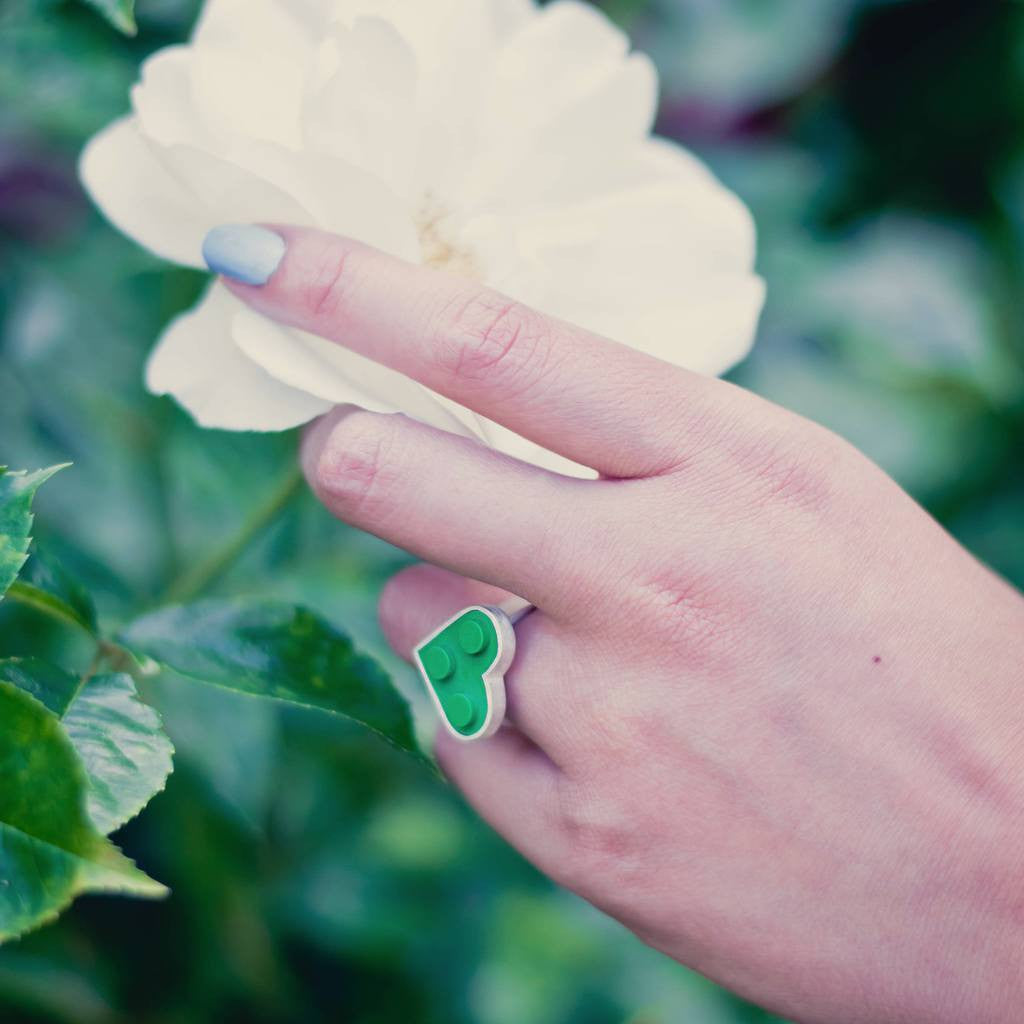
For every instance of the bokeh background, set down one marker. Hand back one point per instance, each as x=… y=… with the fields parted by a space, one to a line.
x=317 y=875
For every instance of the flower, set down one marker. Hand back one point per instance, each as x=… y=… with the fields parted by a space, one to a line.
x=494 y=138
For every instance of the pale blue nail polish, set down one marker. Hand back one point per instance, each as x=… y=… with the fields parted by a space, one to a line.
x=243 y=252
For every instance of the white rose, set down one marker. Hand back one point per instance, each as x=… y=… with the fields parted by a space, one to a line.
x=491 y=137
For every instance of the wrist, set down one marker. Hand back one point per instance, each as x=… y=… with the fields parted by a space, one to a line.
x=983 y=848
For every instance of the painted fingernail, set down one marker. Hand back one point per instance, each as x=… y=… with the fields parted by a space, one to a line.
x=244 y=252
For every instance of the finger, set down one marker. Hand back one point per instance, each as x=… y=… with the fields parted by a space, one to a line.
x=590 y=399
x=415 y=601
x=512 y=785
x=450 y=500
x=420 y=598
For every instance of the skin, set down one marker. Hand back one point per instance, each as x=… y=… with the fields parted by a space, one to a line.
x=768 y=713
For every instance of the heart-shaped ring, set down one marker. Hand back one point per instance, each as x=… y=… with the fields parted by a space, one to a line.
x=463 y=664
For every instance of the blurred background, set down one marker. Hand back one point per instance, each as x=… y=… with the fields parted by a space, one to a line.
x=316 y=874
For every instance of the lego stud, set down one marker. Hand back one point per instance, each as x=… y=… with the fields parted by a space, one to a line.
x=472 y=639
x=438 y=663
x=463 y=664
x=461 y=712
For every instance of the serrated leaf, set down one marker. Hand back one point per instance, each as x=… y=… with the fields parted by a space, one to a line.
x=281 y=651
x=120 y=14
x=17 y=490
x=123 y=746
x=50 y=851
x=119 y=739
x=44 y=584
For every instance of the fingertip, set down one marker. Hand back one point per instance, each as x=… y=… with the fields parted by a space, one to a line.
x=416 y=600
x=420 y=597
x=393 y=611
x=247 y=254
x=314 y=441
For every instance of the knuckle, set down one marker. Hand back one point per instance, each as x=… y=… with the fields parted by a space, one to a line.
x=357 y=462
x=763 y=459
x=602 y=836
x=487 y=338
x=704 y=423
x=793 y=470
x=689 y=612
x=393 y=607
x=324 y=293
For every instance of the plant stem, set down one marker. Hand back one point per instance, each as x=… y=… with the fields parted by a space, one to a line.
x=91 y=670
x=193 y=581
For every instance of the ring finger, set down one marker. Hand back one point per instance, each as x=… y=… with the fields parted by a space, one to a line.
x=418 y=599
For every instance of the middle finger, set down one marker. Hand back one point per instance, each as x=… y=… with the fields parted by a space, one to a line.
x=453 y=502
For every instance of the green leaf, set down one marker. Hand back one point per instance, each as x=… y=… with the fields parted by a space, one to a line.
x=119 y=739
x=123 y=746
x=231 y=745
x=51 y=686
x=120 y=14
x=16 y=493
x=45 y=585
x=280 y=651
x=50 y=851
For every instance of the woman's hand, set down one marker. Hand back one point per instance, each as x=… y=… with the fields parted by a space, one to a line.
x=768 y=713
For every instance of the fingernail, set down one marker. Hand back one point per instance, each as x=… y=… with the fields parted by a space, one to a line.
x=243 y=252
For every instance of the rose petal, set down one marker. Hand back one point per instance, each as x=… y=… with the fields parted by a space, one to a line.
x=223 y=192
x=665 y=268
x=287 y=28
x=570 y=150
x=164 y=104
x=652 y=241
x=137 y=193
x=264 y=182
x=708 y=331
x=558 y=58
x=197 y=362
x=341 y=377
x=563 y=107
x=238 y=96
x=363 y=110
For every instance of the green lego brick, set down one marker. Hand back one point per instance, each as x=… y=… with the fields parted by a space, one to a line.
x=462 y=664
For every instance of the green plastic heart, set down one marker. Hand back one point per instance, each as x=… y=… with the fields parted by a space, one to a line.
x=454 y=662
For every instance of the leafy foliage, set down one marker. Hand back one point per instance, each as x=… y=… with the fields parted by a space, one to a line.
x=51 y=686
x=123 y=747
x=120 y=14
x=82 y=755
x=16 y=493
x=45 y=584
x=275 y=650
x=121 y=743
x=77 y=757
x=50 y=850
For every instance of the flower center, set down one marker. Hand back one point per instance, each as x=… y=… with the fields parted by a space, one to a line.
x=439 y=248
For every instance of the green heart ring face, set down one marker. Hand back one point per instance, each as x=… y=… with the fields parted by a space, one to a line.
x=463 y=665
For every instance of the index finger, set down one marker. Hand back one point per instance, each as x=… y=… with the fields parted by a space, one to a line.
x=590 y=399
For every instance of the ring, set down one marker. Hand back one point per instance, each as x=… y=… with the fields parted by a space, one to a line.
x=463 y=665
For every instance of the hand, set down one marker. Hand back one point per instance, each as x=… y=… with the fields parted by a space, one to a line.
x=768 y=714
